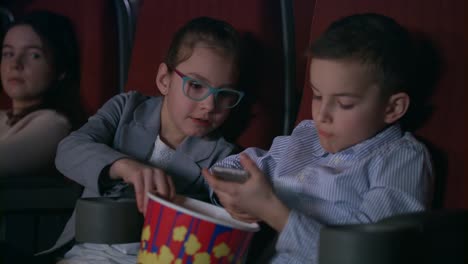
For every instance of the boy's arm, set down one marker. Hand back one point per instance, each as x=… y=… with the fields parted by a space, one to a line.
x=246 y=201
x=257 y=198
x=400 y=182
x=233 y=161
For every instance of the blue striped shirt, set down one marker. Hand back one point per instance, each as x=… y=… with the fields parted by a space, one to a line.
x=388 y=174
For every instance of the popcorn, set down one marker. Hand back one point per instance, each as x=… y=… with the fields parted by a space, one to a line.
x=188 y=232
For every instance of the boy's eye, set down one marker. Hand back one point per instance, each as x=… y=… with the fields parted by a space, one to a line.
x=345 y=106
x=316 y=97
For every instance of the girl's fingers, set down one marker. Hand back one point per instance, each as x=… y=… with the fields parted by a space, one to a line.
x=139 y=193
x=162 y=185
x=149 y=187
x=145 y=204
x=172 y=190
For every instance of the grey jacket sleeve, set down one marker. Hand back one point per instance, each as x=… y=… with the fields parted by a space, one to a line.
x=84 y=153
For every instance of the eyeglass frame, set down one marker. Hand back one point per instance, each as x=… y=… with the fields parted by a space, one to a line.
x=211 y=90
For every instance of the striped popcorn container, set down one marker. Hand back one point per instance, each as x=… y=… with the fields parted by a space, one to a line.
x=191 y=231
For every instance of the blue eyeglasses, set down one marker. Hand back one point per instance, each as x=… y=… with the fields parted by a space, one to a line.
x=199 y=91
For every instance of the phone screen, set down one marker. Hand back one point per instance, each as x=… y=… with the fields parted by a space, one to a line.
x=230 y=174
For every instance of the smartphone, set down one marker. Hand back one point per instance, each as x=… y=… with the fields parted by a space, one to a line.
x=230 y=174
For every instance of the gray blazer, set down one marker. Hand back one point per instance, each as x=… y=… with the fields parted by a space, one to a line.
x=127 y=126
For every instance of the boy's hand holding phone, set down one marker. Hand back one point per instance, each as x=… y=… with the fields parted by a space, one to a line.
x=230 y=174
x=253 y=198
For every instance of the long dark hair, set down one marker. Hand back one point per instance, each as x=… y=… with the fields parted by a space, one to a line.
x=58 y=35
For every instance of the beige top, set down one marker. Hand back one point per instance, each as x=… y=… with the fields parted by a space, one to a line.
x=30 y=145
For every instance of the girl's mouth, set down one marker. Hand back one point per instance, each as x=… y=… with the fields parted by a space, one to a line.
x=201 y=122
x=15 y=80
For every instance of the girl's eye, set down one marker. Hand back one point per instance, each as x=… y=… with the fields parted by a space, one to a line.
x=195 y=84
x=35 y=55
x=7 y=54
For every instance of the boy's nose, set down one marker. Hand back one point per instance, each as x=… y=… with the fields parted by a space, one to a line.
x=324 y=114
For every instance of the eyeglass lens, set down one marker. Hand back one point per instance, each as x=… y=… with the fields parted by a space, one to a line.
x=197 y=90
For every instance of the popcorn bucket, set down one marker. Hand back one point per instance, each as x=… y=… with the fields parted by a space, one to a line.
x=191 y=231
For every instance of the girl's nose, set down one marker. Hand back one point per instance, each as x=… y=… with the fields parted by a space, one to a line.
x=209 y=103
x=17 y=62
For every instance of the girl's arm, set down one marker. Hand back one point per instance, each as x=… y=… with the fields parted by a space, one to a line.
x=84 y=154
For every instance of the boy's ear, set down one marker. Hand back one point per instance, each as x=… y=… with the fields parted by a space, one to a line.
x=396 y=108
x=163 y=79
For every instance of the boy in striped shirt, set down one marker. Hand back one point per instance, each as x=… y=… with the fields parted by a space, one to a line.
x=353 y=163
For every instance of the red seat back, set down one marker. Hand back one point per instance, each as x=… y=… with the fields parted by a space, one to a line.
x=442 y=22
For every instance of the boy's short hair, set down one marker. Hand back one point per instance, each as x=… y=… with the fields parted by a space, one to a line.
x=374 y=40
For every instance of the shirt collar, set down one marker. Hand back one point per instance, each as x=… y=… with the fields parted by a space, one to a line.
x=362 y=149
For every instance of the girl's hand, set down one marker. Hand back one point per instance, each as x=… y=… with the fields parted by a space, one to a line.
x=253 y=199
x=144 y=179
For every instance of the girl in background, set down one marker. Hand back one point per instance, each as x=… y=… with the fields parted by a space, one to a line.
x=40 y=74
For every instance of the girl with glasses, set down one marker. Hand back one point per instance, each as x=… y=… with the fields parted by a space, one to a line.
x=159 y=144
